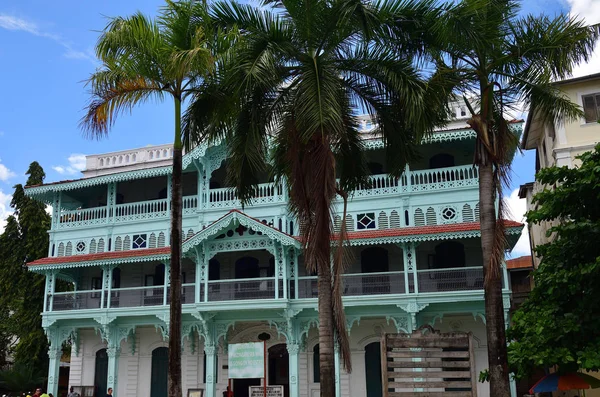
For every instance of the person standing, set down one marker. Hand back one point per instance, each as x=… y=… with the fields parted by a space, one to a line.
x=109 y=393
x=73 y=393
x=38 y=393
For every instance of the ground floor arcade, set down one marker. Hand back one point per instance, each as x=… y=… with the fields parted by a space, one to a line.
x=133 y=358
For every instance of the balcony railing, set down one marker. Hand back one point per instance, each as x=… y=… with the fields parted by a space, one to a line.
x=77 y=300
x=264 y=193
x=142 y=210
x=448 y=280
x=241 y=289
x=271 y=193
x=357 y=284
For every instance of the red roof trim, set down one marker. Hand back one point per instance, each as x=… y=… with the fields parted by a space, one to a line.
x=102 y=256
x=407 y=231
x=421 y=230
x=523 y=262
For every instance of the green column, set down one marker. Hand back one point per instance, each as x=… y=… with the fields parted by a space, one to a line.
x=113 y=353
x=211 y=373
x=167 y=282
x=54 y=354
x=294 y=364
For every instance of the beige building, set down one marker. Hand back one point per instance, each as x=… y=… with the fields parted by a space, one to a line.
x=561 y=143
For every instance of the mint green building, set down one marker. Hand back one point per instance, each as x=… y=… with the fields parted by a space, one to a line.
x=416 y=260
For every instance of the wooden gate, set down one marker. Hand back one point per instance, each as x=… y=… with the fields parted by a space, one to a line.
x=428 y=364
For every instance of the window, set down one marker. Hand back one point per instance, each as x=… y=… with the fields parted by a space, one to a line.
x=139 y=241
x=365 y=221
x=591 y=107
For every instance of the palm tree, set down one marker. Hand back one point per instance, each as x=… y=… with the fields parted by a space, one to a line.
x=153 y=59
x=300 y=75
x=503 y=61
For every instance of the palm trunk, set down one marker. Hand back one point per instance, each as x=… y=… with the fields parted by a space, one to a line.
x=174 y=376
x=494 y=311
x=326 y=349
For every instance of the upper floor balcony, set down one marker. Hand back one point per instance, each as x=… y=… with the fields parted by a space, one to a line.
x=238 y=266
x=130 y=210
x=381 y=185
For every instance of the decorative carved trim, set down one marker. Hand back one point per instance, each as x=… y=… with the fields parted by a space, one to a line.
x=44 y=193
x=244 y=220
x=103 y=262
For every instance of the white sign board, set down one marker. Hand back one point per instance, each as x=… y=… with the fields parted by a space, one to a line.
x=246 y=360
x=272 y=391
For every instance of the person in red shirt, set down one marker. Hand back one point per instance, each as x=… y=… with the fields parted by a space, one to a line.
x=38 y=392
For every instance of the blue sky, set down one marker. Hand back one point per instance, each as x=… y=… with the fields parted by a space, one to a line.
x=46 y=52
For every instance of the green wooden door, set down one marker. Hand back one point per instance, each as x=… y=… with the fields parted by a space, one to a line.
x=158 y=379
x=101 y=373
x=373 y=369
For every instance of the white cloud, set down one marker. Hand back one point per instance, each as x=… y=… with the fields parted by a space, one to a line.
x=588 y=10
x=5 y=173
x=14 y=23
x=5 y=209
x=516 y=208
x=76 y=165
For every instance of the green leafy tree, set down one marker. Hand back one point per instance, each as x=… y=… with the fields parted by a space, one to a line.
x=289 y=97
x=25 y=239
x=501 y=61
x=21 y=378
x=558 y=323
x=147 y=59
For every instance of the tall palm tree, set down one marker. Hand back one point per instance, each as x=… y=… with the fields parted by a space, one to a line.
x=502 y=61
x=153 y=59
x=300 y=75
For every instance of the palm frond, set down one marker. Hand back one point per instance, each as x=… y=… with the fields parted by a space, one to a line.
x=113 y=95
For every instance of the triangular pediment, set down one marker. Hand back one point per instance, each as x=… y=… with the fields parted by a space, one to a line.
x=246 y=223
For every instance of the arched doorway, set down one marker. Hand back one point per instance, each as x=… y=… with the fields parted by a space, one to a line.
x=101 y=373
x=158 y=379
x=373 y=369
x=279 y=367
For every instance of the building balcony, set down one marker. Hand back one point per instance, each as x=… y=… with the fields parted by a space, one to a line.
x=268 y=194
x=381 y=284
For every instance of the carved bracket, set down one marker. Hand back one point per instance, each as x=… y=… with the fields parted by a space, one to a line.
x=413 y=307
x=400 y=322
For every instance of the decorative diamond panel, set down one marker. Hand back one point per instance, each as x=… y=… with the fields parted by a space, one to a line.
x=139 y=241
x=365 y=221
